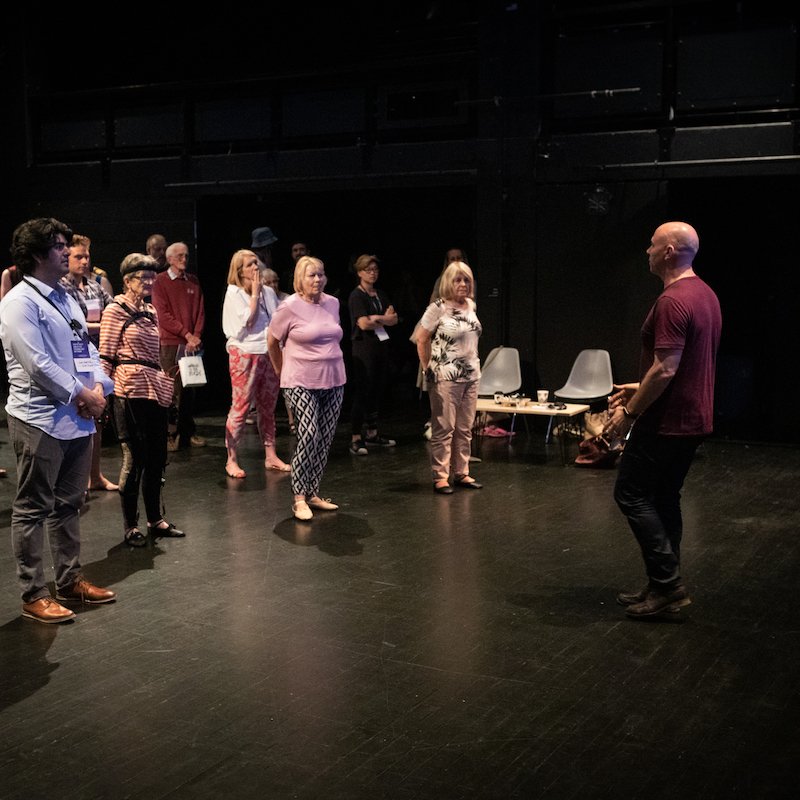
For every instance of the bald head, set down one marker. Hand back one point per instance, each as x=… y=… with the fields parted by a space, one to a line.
x=673 y=247
x=683 y=238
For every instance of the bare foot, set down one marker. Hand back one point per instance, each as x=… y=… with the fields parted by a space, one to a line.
x=277 y=465
x=104 y=484
x=233 y=470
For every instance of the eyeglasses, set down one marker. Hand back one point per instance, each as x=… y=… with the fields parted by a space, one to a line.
x=371 y=269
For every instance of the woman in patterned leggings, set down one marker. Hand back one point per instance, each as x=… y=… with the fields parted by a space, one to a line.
x=304 y=345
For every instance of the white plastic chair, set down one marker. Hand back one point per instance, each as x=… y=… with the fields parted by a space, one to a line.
x=500 y=372
x=589 y=380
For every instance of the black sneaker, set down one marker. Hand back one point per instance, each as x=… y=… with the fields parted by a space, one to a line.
x=379 y=441
x=357 y=448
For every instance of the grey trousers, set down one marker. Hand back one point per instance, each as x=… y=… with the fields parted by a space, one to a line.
x=52 y=478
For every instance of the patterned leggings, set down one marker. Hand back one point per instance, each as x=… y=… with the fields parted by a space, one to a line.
x=316 y=412
x=253 y=380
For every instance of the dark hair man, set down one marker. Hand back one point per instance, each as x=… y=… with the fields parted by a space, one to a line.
x=57 y=390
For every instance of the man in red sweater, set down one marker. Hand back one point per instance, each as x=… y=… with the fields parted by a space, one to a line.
x=178 y=299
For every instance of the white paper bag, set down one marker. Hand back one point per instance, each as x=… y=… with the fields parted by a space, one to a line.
x=193 y=372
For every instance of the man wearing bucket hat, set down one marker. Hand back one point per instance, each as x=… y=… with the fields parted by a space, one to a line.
x=261 y=245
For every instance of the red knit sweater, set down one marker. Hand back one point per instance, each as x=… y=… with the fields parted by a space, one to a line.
x=179 y=305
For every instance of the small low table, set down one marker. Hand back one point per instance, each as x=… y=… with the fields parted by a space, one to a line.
x=570 y=410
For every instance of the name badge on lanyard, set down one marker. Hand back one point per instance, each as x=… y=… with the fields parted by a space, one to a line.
x=93 y=309
x=81 y=357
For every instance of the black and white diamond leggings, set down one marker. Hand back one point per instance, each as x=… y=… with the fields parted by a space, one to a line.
x=316 y=412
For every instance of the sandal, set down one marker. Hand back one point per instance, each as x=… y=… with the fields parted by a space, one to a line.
x=170 y=532
x=135 y=538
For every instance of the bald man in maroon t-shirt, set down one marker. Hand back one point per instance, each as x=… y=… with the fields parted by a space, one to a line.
x=673 y=410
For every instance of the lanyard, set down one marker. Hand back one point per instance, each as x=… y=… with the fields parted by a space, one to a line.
x=374 y=302
x=76 y=327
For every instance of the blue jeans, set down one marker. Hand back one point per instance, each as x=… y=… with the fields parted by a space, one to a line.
x=648 y=492
x=52 y=478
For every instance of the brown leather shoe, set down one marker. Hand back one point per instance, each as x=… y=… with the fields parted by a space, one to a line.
x=86 y=592
x=656 y=603
x=632 y=598
x=45 y=609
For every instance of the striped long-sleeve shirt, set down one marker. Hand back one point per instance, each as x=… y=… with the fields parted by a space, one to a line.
x=129 y=353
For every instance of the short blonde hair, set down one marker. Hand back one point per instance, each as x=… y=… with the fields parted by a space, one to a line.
x=448 y=279
x=235 y=276
x=303 y=263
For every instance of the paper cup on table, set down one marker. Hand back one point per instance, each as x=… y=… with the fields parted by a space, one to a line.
x=542 y=395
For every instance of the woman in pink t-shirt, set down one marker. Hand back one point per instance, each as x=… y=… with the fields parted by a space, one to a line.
x=304 y=345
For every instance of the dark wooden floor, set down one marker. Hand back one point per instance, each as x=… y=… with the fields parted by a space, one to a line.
x=413 y=645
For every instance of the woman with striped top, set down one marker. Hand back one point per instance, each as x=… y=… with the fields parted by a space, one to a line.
x=129 y=349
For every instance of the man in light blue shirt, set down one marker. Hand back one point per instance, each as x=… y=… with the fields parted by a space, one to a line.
x=57 y=390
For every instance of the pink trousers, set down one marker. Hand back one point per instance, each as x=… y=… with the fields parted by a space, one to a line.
x=452 y=416
x=253 y=383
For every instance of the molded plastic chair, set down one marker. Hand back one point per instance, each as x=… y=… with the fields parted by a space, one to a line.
x=500 y=372
x=589 y=381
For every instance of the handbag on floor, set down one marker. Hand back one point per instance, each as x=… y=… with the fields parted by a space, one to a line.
x=597 y=452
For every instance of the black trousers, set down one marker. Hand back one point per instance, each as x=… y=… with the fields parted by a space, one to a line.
x=141 y=427
x=370 y=369
x=648 y=492
x=181 y=413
